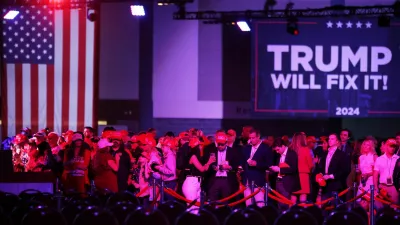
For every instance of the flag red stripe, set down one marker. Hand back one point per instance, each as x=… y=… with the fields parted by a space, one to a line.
x=65 y=70
x=18 y=98
x=96 y=72
x=50 y=97
x=81 y=69
x=4 y=108
x=35 y=97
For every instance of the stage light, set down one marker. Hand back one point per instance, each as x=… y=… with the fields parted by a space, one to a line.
x=137 y=10
x=102 y=122
x=10 y=15
x=91 y=14
x=292 y=27
x=243 y=26
x=293 y=30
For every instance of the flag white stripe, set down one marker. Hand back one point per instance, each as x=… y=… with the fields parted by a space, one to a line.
x=58 y=57
x=73 y=84
x=89 y=101
x=42 y=101
x=26 y=95
x=10 y=99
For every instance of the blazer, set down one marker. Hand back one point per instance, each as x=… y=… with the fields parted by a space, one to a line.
x=396 y=175
x=234 y=159
x=347 y=148
x=264 y=157
x=339 y=167
x=290 y=175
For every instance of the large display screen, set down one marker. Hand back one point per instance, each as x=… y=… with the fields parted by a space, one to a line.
x=334 y=67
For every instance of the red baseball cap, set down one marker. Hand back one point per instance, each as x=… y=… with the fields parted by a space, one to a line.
x=221 y=138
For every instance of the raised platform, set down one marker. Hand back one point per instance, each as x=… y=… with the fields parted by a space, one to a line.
x=17 y=182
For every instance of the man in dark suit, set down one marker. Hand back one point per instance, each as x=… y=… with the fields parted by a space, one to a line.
x=334 y=166
x=347 y=148
x=221 y=174
x=259 y=157
x=288 y=180
x=181 y=159
x=345 y=145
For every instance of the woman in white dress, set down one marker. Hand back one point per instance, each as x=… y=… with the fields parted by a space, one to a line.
x=366 y=164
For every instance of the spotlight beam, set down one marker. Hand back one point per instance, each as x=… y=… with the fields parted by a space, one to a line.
x=243 y=26
x=137 y=10
x=10 y=15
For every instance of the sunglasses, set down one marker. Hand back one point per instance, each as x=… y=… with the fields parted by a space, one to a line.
x=219 y=144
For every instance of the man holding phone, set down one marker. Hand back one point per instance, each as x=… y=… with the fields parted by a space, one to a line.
x=222 y=173
x=259 y=158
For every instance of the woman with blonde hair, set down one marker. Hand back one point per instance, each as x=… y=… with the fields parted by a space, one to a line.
x=305 y=164
x=366 y=163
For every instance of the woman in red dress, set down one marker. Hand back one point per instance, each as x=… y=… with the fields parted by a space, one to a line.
x=305 y=164
x=76 y=163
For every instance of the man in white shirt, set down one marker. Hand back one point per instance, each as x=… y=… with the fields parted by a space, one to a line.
x=383 y=172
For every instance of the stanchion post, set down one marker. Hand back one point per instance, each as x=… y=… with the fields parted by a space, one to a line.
x=371 y=206
x=57 y=184
x=202 y=198
x=335 y=199
x=155 y=193
x=162 y=192
x=58 y=195
x=354 y=193
x=253 y=200
x=266 y=187
x=92 y=187
x=266 y=193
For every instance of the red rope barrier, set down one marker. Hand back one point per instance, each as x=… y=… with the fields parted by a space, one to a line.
x=378 y=198
x=245 y=198
x=176 y=195
x=242 y=189
x=142 y=191
x=358 y=196
x=326 y=200
x=279 y=197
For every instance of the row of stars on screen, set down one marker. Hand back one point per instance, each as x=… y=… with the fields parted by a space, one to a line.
x=349 y=24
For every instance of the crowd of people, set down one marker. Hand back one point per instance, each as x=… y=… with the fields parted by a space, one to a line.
x=301 y=168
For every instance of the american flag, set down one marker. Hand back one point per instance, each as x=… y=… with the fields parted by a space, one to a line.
x=49 y=64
